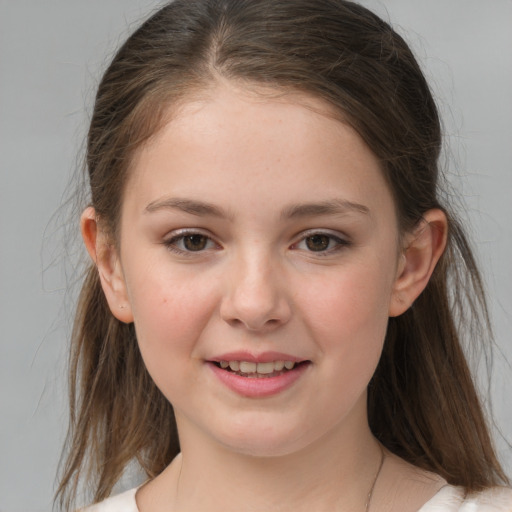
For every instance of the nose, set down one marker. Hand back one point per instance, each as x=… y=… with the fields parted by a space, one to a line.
x=256 y=296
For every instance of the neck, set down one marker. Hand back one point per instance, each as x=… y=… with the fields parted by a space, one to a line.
x=334 y=473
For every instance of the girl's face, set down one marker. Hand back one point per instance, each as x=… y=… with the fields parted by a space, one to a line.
x=257 y=233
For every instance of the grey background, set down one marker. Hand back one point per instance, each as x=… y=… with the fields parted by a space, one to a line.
x=51 y=57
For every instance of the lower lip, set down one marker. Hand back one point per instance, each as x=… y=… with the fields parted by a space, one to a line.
x=259 y=387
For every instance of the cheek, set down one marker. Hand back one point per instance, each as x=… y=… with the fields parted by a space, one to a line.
x=348 y=321
x=170 y=312
x=353 y=297
x=349 y=316
x=164 y=308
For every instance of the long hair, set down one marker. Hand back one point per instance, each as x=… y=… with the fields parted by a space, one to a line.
x=422 y=402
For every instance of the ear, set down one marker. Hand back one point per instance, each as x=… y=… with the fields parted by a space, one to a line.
x=423 y=248
x=105 y=257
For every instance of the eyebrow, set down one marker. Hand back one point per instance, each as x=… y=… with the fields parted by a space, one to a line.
x=203 y=209
x=190 y=206
x=331 y=207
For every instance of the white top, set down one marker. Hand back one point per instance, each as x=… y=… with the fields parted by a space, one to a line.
x=448 y=499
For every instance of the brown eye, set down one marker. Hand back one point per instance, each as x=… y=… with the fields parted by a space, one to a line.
x=321 y=243
x=189 y=243
x=195 y=242
x=318 y=242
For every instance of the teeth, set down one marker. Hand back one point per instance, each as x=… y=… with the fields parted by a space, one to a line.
x=265 y=368
x=278 y=366
x=246 y=367
x=261 y=368
x=234 y=365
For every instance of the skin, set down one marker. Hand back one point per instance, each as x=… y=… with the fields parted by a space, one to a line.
x=256 y=285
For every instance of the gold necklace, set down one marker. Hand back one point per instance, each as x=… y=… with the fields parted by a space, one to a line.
x=370 y=494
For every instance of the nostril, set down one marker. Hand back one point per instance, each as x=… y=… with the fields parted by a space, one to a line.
x=254 y=324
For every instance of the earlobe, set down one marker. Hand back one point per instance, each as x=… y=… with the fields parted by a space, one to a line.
x=423 y=248
x=105 y=257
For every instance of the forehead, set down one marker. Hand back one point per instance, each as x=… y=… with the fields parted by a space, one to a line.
x=232 y=139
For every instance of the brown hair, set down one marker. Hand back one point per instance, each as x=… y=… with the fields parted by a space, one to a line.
x=422 y=402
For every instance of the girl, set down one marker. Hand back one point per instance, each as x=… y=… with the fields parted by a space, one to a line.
x=273 y=318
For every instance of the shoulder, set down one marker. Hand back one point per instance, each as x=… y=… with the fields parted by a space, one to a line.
x=124 y=502
x=453 y=499
x=490 y=500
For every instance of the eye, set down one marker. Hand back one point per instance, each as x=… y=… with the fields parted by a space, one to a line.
x=320 y=242
x=190 y=242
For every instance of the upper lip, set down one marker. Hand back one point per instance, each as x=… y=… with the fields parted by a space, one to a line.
x=264 y=357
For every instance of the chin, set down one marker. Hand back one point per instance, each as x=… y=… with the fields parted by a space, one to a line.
x=260 y=440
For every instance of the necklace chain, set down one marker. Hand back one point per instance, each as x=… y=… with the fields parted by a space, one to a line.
x=370 y=494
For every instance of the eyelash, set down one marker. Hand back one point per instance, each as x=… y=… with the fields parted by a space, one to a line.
x=180 y=237
x=172 y=243
x=339 y=243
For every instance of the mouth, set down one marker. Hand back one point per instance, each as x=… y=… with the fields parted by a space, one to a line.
x=261 y=370
x=258 y=375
